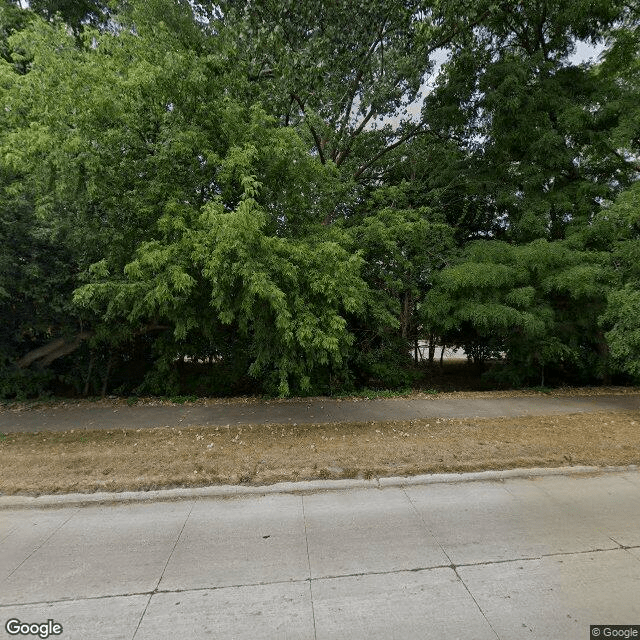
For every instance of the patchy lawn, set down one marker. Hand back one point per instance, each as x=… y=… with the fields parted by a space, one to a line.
x=128 y=459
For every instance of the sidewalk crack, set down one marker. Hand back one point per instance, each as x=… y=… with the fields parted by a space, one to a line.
x=452 y=565
x=462 y=582
x=44 y=541
x=166 y=564
x=306 y=539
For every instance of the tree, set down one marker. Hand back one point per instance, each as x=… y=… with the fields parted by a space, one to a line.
x=536 y=127
x=538 y=303
x=285 y=296
x=241 y=183
x=403 y=250
x=619 y=227
x=186 y=195
x=344 y=73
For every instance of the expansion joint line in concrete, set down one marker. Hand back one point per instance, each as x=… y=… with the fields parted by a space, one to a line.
x=6 y=535
x=44 y=541
x=452 y=565
x=622 y=546
x=482 y=613
x=166 y=564
x=306 y=539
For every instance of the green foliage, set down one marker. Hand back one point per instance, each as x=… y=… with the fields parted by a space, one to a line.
x=619 y=225
x=253 y=196
x=537 y=128
x=284 y=295
x=21 y=385
x=403 y=250
x=76 y=13
x=538 y=303
x=330 y=72
x=622 y=314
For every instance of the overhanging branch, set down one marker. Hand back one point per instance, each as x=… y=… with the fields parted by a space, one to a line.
x=45 y=355
x=53 y=350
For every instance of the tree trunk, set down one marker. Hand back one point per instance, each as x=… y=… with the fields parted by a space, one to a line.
x=85 y=391
x=105 y=381
x=404 y=316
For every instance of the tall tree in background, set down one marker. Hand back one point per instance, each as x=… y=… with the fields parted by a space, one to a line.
x=542 y=145
x=188 y=212
x=347 y=71
x=537 y=126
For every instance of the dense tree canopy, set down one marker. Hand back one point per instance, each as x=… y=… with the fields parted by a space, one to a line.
x=290 y=197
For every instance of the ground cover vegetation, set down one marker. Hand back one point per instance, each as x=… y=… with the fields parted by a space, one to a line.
x=289 y=197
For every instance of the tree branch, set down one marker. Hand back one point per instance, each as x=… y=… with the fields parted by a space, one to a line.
x=384 y=151
x=53 y=350
x=316 y=138
x=417 y=131
x=59 y=347
x=358 y=78
x=66 y=348
x=342 y=155
x=40 y=352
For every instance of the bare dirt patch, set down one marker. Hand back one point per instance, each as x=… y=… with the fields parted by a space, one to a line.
x=128 y=459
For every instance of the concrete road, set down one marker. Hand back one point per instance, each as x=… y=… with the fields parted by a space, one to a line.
x=524 y=558
x=313 y=410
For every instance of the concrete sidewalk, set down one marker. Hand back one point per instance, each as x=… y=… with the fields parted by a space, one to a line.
x=314 y=410
x=523 y=558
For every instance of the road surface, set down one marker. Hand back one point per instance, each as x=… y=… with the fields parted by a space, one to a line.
x=536 y=558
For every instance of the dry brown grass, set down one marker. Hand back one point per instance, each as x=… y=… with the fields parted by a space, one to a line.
x=87 y=461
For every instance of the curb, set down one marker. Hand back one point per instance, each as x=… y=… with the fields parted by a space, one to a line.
x=310 y=486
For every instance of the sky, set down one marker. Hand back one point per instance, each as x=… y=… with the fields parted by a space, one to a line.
x=584 y=52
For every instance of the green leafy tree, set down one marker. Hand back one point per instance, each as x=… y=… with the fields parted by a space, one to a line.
x=403 y=251
x=619 y=227
x=286 y=297
x=537 y=127
x=188 y=212
x=346 y=74
x=242 y=184
x=537 y=303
